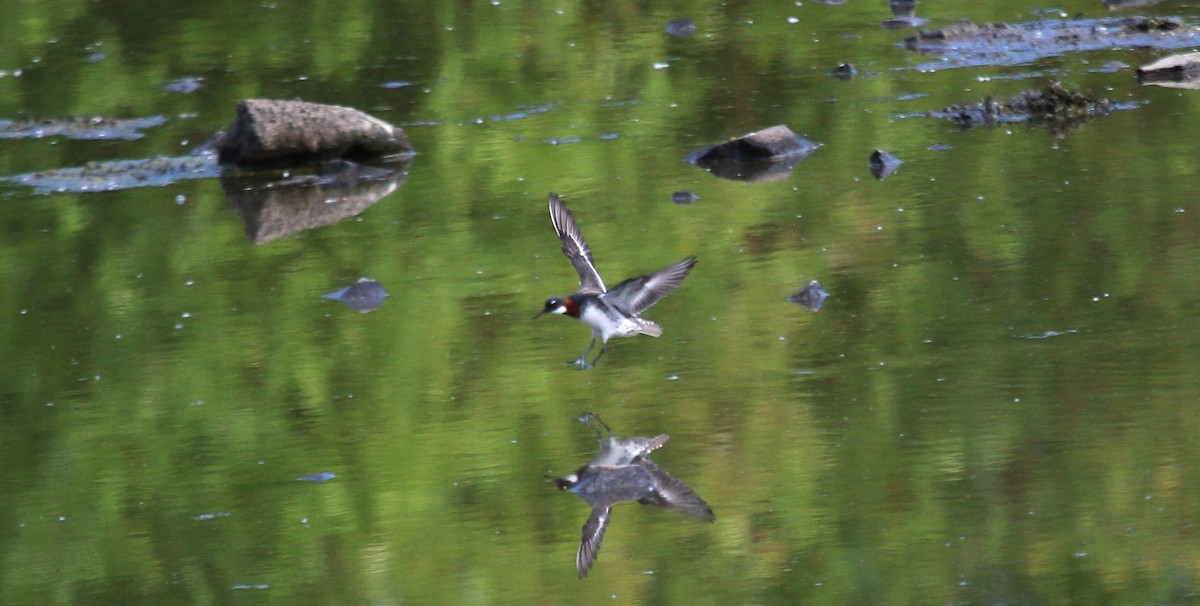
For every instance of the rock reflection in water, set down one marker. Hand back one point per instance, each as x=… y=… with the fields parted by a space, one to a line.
x=904 y=15
x=273 y=207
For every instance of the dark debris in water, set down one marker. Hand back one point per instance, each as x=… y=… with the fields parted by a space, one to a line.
x=1054 y=107
x=363 y=296
x=87 y=128
x=969 y=44
x=812 y=296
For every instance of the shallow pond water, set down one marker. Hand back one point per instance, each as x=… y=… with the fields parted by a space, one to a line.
x=993 y=405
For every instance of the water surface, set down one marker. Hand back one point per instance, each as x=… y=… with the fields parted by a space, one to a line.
x=993 y=405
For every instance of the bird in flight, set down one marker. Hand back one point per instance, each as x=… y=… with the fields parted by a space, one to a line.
x=609 y=313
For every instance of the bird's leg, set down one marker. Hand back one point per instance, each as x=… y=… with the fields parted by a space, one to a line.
x=603 y=346
x=581 y=361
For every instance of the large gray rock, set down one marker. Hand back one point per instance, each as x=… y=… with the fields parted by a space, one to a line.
x=276 y=132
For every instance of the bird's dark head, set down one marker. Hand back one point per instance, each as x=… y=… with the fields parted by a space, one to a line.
x=554 y=305
x=567 y=482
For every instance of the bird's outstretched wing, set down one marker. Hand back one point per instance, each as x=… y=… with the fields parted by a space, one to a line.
x=575 y=247
x=672 y=493
x=593 y=534
x=636 y=295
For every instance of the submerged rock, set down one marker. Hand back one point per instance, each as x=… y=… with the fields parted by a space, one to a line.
x=118 y=174
x=274 y=132
x=968 y=44
x=362 y=296
x=93 y=127
x=1176 y=71
x=764 y=155
x=184 y=85
x=320 y=476
x=1114 y=5
x=680 y=28
x=883 y=164
x=812 y=296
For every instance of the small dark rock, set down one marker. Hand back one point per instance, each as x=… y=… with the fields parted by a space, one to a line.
x=362 y=296
x=681 y=28
x=844 y=71
x=275 y=132
x=812 y=296
x=883 y=164
x=684 y=197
